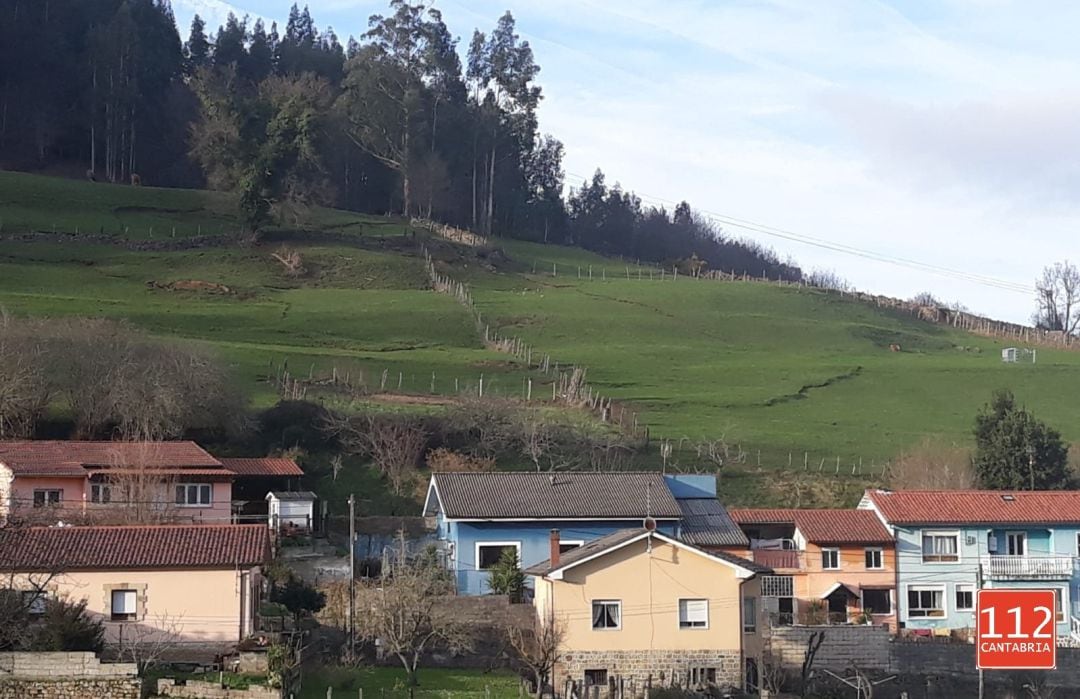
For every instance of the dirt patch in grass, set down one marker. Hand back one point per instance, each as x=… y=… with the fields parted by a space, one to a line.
x=406 y=399
x=191 y=285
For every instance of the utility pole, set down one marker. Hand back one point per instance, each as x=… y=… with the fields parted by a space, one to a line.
x=352 y=574
x=979 y=586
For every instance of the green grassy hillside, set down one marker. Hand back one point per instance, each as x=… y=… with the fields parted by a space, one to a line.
x=783 y=373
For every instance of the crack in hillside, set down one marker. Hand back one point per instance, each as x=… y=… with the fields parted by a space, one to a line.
x=804 y=391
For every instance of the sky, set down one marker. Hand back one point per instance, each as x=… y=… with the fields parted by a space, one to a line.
x=943 y=132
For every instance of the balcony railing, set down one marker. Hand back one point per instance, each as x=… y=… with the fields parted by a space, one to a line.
x=779 y=558
x=1036 y=567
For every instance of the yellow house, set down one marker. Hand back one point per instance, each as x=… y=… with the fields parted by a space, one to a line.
x=638 y=605
x=190 y=586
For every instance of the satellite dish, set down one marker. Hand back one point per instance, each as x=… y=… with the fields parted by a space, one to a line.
x=649 y=524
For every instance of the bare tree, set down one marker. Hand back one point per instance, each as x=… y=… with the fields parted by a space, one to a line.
x=23 y=587
x=395 y=443
x=537 y=649
x=933 y=465
x=1057 y=293
x=492 y=426
x=291 y=261
x=806 y=672
x=24 y=386
x=146 y=643
x=131 y=490
x=404 y=611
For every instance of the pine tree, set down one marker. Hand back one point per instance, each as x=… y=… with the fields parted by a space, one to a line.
x=1016 y=451
x=197 y=49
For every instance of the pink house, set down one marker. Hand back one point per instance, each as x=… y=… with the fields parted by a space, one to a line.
x=144 y=481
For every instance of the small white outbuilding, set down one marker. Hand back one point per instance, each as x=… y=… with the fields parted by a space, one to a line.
x=292 y=509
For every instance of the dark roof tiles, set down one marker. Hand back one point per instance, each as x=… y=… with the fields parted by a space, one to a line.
x=567 y=495
x=134 y=547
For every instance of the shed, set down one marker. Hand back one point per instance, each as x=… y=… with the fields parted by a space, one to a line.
x=292 y=509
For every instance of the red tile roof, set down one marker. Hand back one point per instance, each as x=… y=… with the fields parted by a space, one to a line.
x=134 y=547
x=977 y=506
x=69 y=458
x=822 y=526
x=266 y=466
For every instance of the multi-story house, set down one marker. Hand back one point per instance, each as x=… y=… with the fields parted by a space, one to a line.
x=137 y=481
x=479 y=515
x=830 y=566
x=640 y=605
x=952 y=543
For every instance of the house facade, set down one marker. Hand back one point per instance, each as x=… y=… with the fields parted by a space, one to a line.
x=478 y=515
x=831 y=566
x=950 y=544
x=191 y=586
x=147 y=481
x=639 y=604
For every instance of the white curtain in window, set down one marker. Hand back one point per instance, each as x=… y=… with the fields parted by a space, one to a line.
x=123 y=602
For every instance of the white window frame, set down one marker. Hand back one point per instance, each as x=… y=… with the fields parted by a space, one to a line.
x=955 y=533
x=834 y=553
x=690 y=625
x=880 y=557
x=102 y=489
x=501 y=544
x=892 y=602
x=592 y=605
x=1022 y=535
x=573 y=543
x=128 y=616
x=749 y=625
x=927 y=588
x=1063 y=592
x=965 y=587
x=188 y=487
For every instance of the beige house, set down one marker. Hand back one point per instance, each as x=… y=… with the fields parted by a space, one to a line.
x=639 y=604
x=190 y=586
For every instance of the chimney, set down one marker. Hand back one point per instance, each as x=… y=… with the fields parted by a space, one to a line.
x=554 y=558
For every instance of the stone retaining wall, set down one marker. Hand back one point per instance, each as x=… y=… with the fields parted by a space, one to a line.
x=661 y=667
x=66 y=676
x=192 y=689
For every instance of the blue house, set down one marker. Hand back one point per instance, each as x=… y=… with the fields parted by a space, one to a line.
x=950 y=544
x=479 y=515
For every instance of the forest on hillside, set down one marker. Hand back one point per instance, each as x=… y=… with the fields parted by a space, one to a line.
x=389 y=120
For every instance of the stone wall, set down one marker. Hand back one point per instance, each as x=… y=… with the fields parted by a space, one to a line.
x=865 y=646
x=66 y=676
x=661 y=667
x=192 y=689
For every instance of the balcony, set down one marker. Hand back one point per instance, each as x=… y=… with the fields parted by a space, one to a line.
x=1037 y=567
x=779 y=559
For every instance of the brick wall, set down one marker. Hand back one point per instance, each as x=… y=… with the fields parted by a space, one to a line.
x=866 y=646
x=65 y=676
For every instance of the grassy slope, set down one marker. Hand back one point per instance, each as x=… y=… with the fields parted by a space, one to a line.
x=709 y=358
x=694 y=358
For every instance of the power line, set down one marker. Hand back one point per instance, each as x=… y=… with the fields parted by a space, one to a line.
x=843 y=248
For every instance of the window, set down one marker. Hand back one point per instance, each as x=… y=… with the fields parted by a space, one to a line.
x=607 y=614
x=47 y=497
x=595 y=677
x=877 y=601
x=489 y=552
x=193 y=494
x=940 y=547
x=1015 y=543
x=749 y=615
x=565 y=546
x=123 y=605
x=925 y=601
x=34 y=602
x=1059 y=604
x=693 y=614
x=830 y=559
x=100 y=493
x=702 y=675
x=965 y=598
x=874 y=559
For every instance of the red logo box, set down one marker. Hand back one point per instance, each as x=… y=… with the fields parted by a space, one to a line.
x=1016 y=630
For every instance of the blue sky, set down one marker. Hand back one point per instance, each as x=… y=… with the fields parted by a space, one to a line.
x=946 y=132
